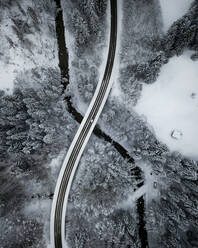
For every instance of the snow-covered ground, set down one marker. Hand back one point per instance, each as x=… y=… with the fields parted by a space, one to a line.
x=171 y=105
x=132 y=198
x=150 y=188
x=39 y=48
x=173 y=10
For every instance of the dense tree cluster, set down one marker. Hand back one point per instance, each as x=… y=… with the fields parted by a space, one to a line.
x=34 y=120
x=34 y=127
x=140 y=30
x=108 y=179
x=149 y=71
x=141 y=56
x=117 y=230
x=131 y=130
x=87 y=77
x=133 y=76
x=17 y=230
x=95 y=217
x=183 y=34
x=173 y=218
x=86 y=20
x=20 y=191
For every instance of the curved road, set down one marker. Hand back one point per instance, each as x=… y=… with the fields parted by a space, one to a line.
x=70 y=164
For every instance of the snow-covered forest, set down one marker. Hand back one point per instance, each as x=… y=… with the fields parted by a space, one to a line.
x=137 y=184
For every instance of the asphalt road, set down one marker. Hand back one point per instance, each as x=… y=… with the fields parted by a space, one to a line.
x=88 y=125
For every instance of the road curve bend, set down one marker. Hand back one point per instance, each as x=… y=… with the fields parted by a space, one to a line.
x=70 y=164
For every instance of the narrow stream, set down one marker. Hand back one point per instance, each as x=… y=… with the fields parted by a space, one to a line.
x=62 y=48
x=64 y=68
x=142 y=222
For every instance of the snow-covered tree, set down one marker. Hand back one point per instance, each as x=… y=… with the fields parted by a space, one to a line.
x=183 y=33
x=94 y=217
x=175 y=213
x=34 y=120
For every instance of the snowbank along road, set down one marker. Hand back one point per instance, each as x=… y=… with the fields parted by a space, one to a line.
x=70 y=164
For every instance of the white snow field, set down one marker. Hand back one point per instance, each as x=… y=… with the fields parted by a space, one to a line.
x=170 y=105
x=172 y=10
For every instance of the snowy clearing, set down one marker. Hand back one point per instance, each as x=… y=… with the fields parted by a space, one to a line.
x=150 y=188
x=171 y=105
x=173 y=10
x=132 y=198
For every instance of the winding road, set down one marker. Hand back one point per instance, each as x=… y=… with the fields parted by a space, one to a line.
x=70 y=164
